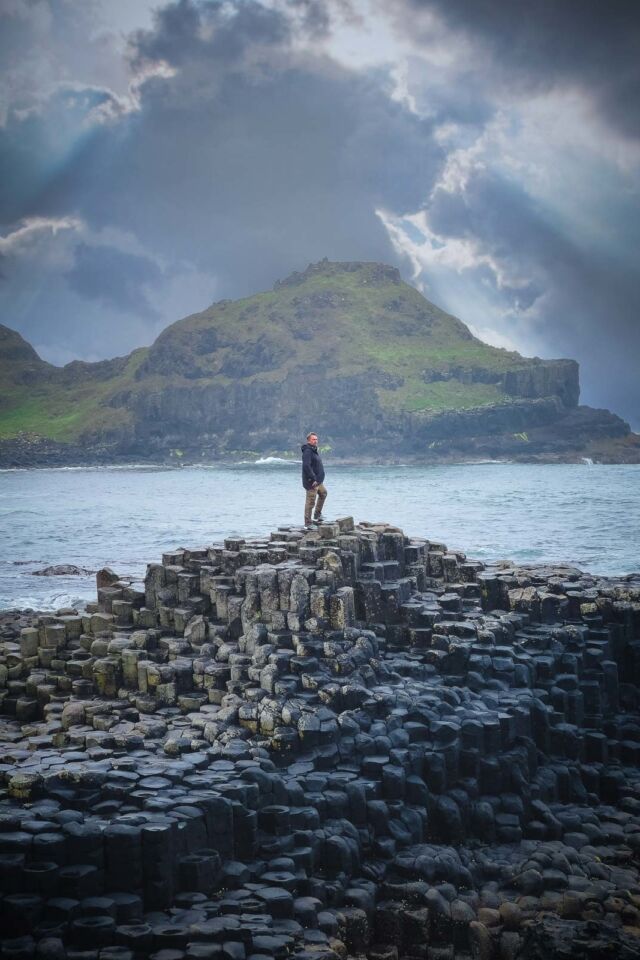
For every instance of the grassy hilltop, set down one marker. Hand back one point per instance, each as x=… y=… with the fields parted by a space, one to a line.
x=348 y=346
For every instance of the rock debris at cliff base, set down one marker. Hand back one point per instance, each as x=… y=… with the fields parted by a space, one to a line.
x=319 y=745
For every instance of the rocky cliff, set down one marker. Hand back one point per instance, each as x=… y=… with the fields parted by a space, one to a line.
x=347 y=348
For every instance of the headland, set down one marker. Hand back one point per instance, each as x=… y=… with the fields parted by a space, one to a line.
x=346 y=348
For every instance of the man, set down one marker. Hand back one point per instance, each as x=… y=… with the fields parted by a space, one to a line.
x=312 y=480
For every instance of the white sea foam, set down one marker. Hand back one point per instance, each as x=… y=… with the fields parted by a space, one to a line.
x=94 y=468
x=266 y=461
x=49 y=602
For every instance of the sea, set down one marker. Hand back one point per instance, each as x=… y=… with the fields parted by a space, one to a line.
x=124 y=517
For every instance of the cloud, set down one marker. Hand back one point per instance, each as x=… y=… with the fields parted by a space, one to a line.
x=26 y=235
x=76 y=293
x=548 y=43
x=110 y=276
x=44 y=43
x=41 y=148
x=245 y=158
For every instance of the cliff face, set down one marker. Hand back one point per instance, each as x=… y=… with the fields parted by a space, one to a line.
x=547 y=378
x=536 y=378
x=347 y=348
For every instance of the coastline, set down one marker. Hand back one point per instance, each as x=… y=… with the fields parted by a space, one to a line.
x=353 y=461
x=538 y=445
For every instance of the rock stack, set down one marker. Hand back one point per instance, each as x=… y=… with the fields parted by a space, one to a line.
x=319 y=745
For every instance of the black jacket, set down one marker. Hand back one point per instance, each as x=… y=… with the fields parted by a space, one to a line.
x=312 y=469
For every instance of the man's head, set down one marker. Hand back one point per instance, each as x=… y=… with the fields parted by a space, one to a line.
x=312 y=438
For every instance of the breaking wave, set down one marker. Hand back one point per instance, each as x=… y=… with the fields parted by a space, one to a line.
x=262 y=461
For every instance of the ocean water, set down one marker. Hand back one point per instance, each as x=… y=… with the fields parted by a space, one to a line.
x=125 y=517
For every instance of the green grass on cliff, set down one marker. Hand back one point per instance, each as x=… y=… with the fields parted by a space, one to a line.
x=441 y=395
x=337 y=320
x=60 y=414
x=441 y=355
x=66 y=409
x=46 y=415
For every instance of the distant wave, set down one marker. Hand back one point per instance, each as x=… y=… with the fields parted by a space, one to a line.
x=480 y=463
x=261 y=461
x=93 y=468
x=98 y=467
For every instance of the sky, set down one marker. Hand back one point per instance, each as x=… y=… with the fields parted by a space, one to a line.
x=156 y=157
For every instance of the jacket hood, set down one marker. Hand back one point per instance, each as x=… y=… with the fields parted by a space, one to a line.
x=311 y=446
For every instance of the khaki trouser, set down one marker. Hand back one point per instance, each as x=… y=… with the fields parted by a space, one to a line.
x=319 y=492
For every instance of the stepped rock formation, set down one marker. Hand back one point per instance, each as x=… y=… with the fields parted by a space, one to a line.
x=321 y=745
x=347 y=346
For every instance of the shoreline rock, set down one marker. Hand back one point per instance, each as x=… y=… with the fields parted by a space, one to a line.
x=538 y=446
x=62 y=570
x=347 y=742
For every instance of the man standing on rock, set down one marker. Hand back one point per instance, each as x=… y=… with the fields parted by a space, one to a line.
x=312 y=480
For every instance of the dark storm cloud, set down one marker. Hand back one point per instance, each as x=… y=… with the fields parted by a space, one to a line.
x=206 y=33
x=113 y=277
x=573 y=298
x=46 y=42
x=538 y=44
x=314 y=16
x=251 y=160
x=40 y=149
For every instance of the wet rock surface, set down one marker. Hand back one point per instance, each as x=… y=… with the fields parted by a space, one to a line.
x=318 y=745
x=62 y=570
